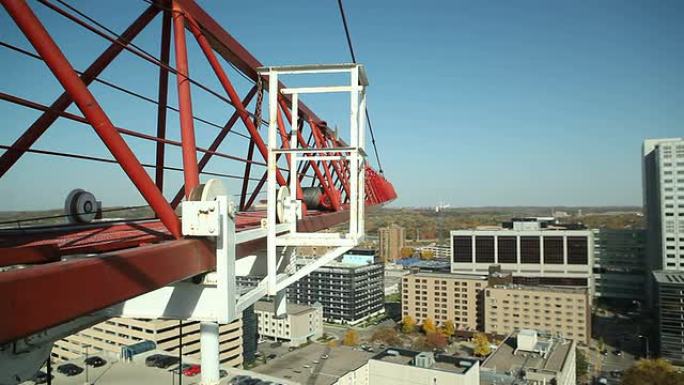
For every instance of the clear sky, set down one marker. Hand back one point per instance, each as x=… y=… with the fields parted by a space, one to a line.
x=473 y=103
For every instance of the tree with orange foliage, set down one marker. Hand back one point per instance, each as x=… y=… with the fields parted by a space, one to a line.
x=429 y=326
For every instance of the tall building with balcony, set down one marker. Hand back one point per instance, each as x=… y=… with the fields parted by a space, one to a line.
x=535 y=250
x=390 y=243
x=349 y=292
x=620 y=266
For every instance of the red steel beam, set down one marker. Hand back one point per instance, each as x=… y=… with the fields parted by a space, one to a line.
x=34 y=132
x=190 y=169
x=208 y=152
x=232 y=94
x=34 y=31
x=28 y=255
x=284 y=137
x=300 y=139
x=216 y=143
x=229 y=48
x=85 y=285
x=40 y=297
x=162 y=98
x=326 y=167
x=245 y=178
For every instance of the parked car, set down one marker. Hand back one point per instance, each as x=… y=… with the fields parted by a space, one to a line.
x=616 y=373
x=193 y=370
x=166 y=361
x=152 y=360
x=272 y=356
x=95 y=361
x=69 y=369
x=617 y=352
x=181 y=368
x=238 y=379
x=41 y=377
x=324 y=356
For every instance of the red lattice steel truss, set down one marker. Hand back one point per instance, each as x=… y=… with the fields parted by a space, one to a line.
x=140 y=256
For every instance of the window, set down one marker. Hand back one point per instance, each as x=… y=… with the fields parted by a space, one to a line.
x=507 y=249
x=553 y=250
x=484 y=249
x=529 y=250
x=463 y=249
x=578 y=253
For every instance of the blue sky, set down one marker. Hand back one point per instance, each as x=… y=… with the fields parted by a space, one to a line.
x=473 y=103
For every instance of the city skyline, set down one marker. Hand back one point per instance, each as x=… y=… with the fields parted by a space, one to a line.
x=525 y=115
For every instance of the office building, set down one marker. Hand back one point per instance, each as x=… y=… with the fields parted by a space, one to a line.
x=620 y=266
x=442 y=296
x=298 y=326
x=669 y=289
x=111 y=335
x=349 y=292
x=526 y=358
x=663 y=178
x=437 y=252
x=558 y=311
x=535 y=250
x=391 y=241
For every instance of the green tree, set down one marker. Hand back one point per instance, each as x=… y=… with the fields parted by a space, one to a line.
x=581 y=364
x=408 y=325
x=652 y=372
x=481 y=343
x=601 y=344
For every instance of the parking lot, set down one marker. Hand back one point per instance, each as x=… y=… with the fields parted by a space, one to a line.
x=116 y=372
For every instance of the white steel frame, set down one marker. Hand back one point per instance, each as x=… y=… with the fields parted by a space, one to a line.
x=215 y=300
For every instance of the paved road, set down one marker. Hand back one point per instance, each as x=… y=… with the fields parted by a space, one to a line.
x=617 y=333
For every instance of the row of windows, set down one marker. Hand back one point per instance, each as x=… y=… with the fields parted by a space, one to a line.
x=530 y=249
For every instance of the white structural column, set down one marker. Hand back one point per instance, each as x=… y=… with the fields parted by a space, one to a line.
x=271 y=185
x=354 y=156
x=362 y=164
x=280 y=303
x=209 y=350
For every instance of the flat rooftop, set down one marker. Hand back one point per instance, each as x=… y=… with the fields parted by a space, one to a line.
x=292 y=308
x=306 y=365
x=427 y=274
x=669 y=277
x=548 y=289
x=442 y=362
x=506 y=359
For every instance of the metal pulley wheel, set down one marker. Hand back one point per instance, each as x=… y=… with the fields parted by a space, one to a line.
x=282 y=203
x=80 y=206
x=208 y=191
